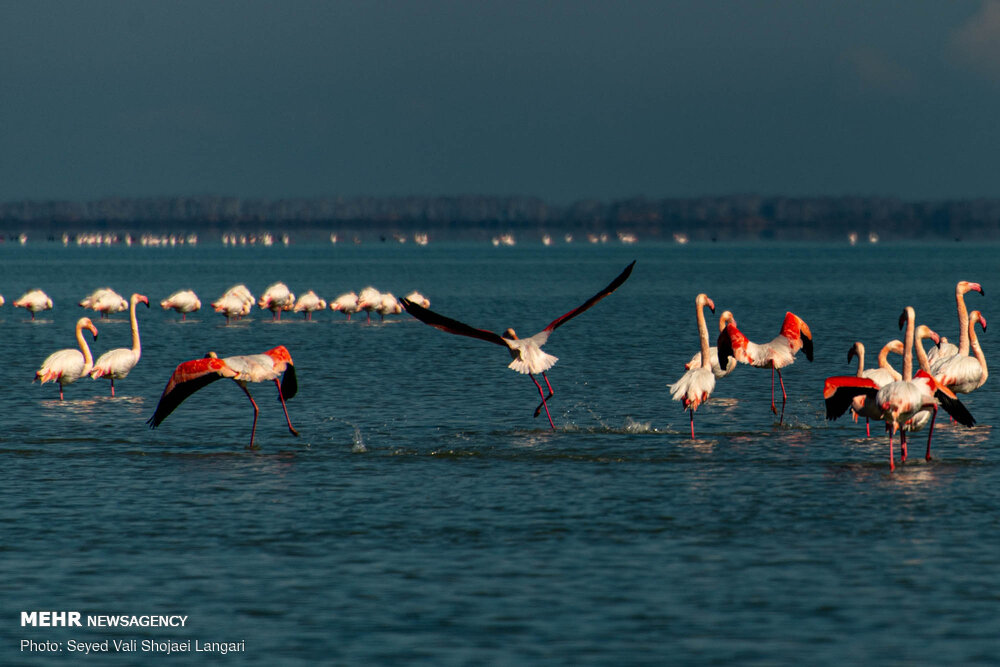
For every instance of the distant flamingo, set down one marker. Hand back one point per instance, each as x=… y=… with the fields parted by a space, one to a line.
x=526 y=353
x=116 y=364
x=346 y=303
x=308 y=303
x=696 y=385
x=419 y=299
x=69 y=365
x=776 y=354
x=883 y=374
x=368 y=300
x=105 y=301
x=946 y=349
x=961 y=373
x=388 y=306
x=276 y=298
x=191 y=376
x=713 y=352
x=235 y=303
x=34 y=301
x=183 y=302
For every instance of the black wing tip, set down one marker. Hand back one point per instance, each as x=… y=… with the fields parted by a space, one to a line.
x=956 y=409
x=807 y=347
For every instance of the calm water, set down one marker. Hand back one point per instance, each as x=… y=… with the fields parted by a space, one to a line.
x=425 y=516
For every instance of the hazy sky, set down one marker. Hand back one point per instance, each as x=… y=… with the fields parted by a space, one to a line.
x=562 y=100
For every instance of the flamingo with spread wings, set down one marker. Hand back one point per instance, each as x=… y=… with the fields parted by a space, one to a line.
x=193 y=375
x=526 y=353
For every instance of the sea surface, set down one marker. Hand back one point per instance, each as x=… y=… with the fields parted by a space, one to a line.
x=424 y=516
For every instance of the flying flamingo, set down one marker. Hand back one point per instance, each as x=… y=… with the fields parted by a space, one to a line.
x=901 y=400
x=309 y=303
x=116 y=364
x=696 y=385
x=183 y=302
x=190 y=376
x=713 y=352
x=276 y=298
x=69 y=365
x=776 y=354
x=961 y=373
x=34 y=301
x=526 y=353
x=946 y=349
x=346 y=303
x=881 y=375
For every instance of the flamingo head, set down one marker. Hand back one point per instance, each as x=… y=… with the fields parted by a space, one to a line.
x=726 y=318
x=895 y=346
x=509 y=334
x=141 y=298
x=702 y=300
x=924 y=331
x=905 y=316
x=85 y=323
x=965 y=286
x=857 y=350
x=976 y=316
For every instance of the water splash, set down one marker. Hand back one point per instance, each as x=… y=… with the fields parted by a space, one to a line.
x=359 y=444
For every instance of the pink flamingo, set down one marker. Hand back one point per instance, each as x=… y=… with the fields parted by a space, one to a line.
x=946 y=349
x=526 y=353
x=309 y=303
x=962 y=373
x=116 y=364
x=696 y=385
x=883 y=374
x=776 y=354
x=346 y=303
x=183 y=302
x=34 y=301
x=276 y=298
x=190 y=376
x=713 y=352
x=69 y=365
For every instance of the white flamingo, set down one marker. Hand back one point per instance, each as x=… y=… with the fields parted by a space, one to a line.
x=183 y=302
x=276 y=298
x=713 y=352
x=236 y=302
x=105 y=301
x=881 y=375
x=69 y=365
x=116 y=364
x=962 y=373
x=419 y=299
x=526 y=353
x=34 y=301
x=309 y=303
x=368 y=300
x=946 y=349
x=696 y=385
x=346 y=303
x=388 y=306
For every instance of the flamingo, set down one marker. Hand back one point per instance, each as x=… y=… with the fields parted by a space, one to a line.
x=696 y=385
x=388 y=306
x=183 y=302
x=776 y=354
x=308 y=303
x=276 y=298
x=713 y=352
x=946 y=349
x=961 y=373
x=190 y=376
x=881 y=375
x=419 y=299
x=236 y=302
x=34 y=301
x=346 y=303
x=116 y=364
x=526 y=353
x=368 y=300
x=105 y=301
x=900 y=400
x=69 y=365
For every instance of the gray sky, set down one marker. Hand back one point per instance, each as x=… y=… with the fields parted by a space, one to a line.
x=562 y=100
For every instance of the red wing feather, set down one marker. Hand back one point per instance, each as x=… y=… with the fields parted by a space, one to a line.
x=188 y=378
x=612 y=286
x=447 y=324
x=839 y=391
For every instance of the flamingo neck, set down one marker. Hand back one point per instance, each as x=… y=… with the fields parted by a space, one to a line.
x=922 y=355
x=963 y=323
x=908 y=347
x=136 y=348
x=977 y=351
x=859 y=349
x=88 y=359
x=706 y=360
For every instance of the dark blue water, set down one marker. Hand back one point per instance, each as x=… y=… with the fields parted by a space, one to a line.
x=425 y=516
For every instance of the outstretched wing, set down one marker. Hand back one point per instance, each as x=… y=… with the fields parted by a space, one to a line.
x=840 y=390
x=447 y=324
x=188 y=378
x=615 y=284
x=956 y=409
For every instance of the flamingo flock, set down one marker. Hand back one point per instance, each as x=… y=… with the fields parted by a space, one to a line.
x=906 y=400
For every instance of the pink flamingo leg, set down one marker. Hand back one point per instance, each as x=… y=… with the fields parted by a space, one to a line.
x=892 y=462
x=542 y=394
x=256 y=411
x=112 y=387
x=692 y=423
x=281 y=397
x=930 y=432
x=868 y=428
x=902 y=446
x=538 y=410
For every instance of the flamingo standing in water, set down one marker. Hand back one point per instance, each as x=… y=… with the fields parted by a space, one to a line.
x=696 y=385
x=419 y=299
x=105 y=301
x=776 y=354
x=368 y=300
x=346 y=303
x=713 y=352
x=34 y=301
x=190 y=376
x=388 y=305
x=962 y=373
x=69 y=365
x=526 y=353
x=236 y=302
x=277 y=298
x=881 y=375
x=116 y=364
x=308 y=303
x=183 y=302
x=946 y=349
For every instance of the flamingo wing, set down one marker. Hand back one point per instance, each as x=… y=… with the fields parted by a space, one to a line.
x=188 y=378
x=839 y=391
x=612 y=286
x=451 y=326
